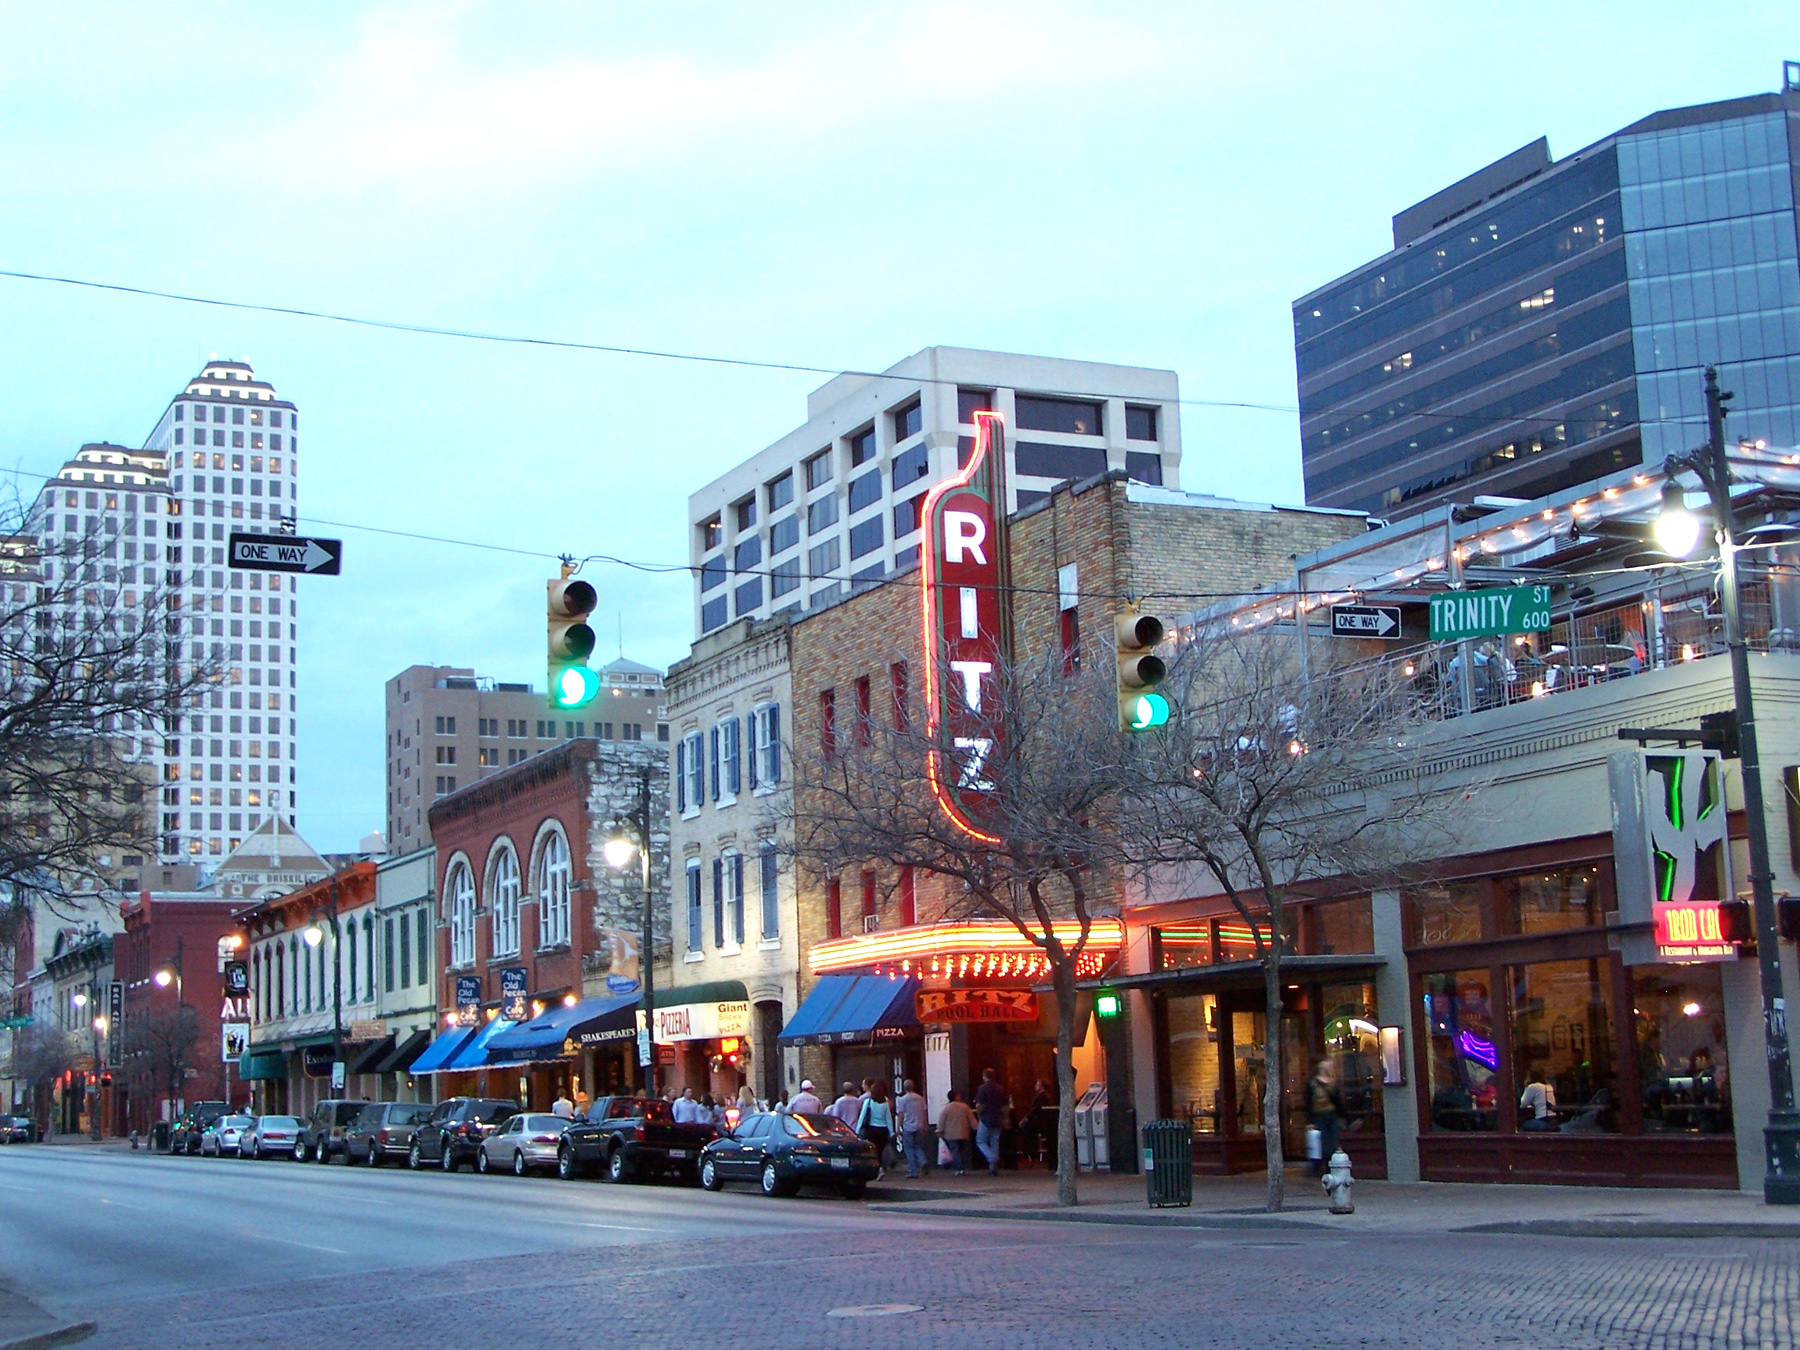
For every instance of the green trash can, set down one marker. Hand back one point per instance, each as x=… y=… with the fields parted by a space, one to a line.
x=1169 y=1162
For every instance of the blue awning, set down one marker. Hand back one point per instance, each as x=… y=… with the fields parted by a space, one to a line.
x=545 y=1036
x=846 y=1009
x=439 y=1051
x=473 y=1053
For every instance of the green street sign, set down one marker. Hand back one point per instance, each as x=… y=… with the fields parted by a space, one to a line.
x=15 y=1023
x=1489 y=612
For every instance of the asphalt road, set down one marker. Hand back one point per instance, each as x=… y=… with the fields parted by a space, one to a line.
x=177 y=1252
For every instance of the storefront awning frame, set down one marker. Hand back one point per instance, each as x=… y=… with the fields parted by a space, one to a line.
x=1243 y=974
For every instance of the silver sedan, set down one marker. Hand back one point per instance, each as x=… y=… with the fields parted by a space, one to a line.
x=521 y=1143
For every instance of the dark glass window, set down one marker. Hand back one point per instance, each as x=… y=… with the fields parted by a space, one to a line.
x=712 y=573
x=1462 y=1065
x=910 y=466
x=1033 y=459
x=818 y=470
x=1073 y=416
x=822 y=514
x=907 y=421
x=823 y=559
x=906 y=515
x=1444 y=914
x=1144 y=466
x=1678 y=1013
x=711 y=534
x=784 y=534
x=971 y=401
x=784 y=577
x=1140 y=424
x=781 y=492
x=862 y=447
x=746 y=513
x=865 y=491
x=866 y=537
x=749 y=597
x=747 y=554
x=712 y=615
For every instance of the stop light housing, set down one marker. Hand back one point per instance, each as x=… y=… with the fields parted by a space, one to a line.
x=1135 y=637
x=571 y=641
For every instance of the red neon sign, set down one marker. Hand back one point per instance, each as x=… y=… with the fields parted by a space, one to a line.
x=966 y=613
x=1690 y=932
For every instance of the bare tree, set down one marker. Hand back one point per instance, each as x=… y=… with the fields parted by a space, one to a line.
x=1274 y=777
x=1043 y=853
x=41 y=1055
x=93 y=676
x=159 y=1048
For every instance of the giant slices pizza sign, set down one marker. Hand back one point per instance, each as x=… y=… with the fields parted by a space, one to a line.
x=966 y=622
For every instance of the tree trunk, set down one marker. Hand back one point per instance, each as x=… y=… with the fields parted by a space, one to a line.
x=1063 y=980
x=1272 y=1075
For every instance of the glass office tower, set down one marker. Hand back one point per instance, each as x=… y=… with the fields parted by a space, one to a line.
x=1540 y=323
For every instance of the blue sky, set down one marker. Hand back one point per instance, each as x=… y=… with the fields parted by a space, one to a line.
x=825 y=184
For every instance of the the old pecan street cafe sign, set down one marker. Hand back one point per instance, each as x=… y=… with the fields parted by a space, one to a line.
x=967 y=609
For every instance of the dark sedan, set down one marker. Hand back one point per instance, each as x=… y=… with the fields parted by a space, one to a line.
x=451 y=1135
x=782 y=1153
x=18 y=1130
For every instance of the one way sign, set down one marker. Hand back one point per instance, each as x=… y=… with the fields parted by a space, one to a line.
x=287 y=553
x=1365 y=621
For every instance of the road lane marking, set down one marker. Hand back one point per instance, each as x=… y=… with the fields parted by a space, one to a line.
x=291 y=1242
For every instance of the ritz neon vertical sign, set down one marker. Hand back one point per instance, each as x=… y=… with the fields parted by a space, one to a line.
x=967 y=627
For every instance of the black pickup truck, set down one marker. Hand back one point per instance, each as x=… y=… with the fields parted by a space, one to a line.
x=630 y=1137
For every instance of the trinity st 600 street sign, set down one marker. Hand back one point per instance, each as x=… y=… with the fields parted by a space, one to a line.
x=1365 y=621
x=287 y=553
x=1490 y=611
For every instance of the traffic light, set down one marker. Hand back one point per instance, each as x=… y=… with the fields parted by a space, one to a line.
x=1140 y=670
x=572 y=684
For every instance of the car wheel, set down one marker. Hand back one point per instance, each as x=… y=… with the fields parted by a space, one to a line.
x=413 y=1158
x=481 y=1161
x=566 y=1167
x=852 y=1190
x=709 y=1176
x=299 y=1150
x=518 y=1163
x=447 y=1159
x=771 y=1180
x=322 y=1153
x=616 y=1167
x=374 y=1158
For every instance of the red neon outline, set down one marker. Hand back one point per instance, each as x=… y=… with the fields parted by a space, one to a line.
x=985 y=425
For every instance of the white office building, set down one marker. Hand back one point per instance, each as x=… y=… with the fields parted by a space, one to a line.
x=835 y=503
x=222 y=458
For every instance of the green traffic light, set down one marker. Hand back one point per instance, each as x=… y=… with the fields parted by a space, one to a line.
x=1152 y=710
x=573 y=687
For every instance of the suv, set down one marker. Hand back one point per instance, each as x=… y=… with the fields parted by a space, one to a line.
x=191 y=1124
x=452 y=1134
x=18 y=1130
x=322 y=1133
x=383 y=1131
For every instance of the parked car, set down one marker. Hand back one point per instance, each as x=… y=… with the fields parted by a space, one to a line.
x=630 y=1137
x=222 y=1136
x=184 y=1137
x=451 y=1135
x=322 y=1133
x=781 y=1153
x=18 y=1130
x=383 y=1130
x=524 y=1141
x=270 y=1137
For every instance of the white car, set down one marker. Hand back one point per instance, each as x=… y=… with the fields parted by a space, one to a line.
x=270 y=1137
x=222 y=1136
x=522 y=1142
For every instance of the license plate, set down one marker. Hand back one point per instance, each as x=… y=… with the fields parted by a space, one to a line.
x=842 y=1164
x=680 y=1153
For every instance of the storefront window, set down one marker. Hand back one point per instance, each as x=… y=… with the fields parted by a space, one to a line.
x=1238 y=943
x=1353 y=1044
x=1194 y=1083
x=1563 y=1039
x=1678 y=1015
x=1550 y=902
x=1444 y=914
x=1186 y=944
x=1345 y=926
x=1464 y=1063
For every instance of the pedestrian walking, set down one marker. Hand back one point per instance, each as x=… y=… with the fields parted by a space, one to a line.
x=847 y=1107
x=911 y=1112
x=780 y=1105
x=991 y=1102
x=875 y=1120
x=687 y=1111
x=806 y=1102
x=563 y=1107
x=956 y=1126
x=747 y=1105
x=1323 y=1107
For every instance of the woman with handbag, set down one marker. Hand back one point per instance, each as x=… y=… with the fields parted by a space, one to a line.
x=875 y=1122
x=1323 y=1107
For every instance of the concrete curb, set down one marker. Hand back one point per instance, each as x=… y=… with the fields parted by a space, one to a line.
x=1655 y=1228
x=67 y=1334
x=1158 y=1219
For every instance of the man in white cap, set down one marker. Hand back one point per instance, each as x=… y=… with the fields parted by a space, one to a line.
x=807 y=1103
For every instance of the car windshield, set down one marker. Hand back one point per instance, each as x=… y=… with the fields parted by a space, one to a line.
x=489 y=1112
x=536 y=1123
x=347 y=1112
x=231 y=1122
x=280 y=1123
x=817 y=1127
x=409 y=1114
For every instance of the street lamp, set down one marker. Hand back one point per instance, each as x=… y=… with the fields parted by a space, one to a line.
x=314 y=933
x=620 y=845
x=163 y=977
x=1781 y=1135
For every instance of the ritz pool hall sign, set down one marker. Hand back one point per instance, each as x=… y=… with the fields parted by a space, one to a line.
x=967 y=606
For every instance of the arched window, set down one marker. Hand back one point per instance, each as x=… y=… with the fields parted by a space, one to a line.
x=503 y=899
x=352 y=962
x=553 y=891
x=368 y=956
x=276 y=959
x=256 y=978
x=307 y=954
x=459 y=902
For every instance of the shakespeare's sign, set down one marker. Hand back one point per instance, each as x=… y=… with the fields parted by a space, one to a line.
x=966 y=610
x=975 y=1005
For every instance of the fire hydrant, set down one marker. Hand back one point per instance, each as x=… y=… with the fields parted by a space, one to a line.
x=1337 y=1182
